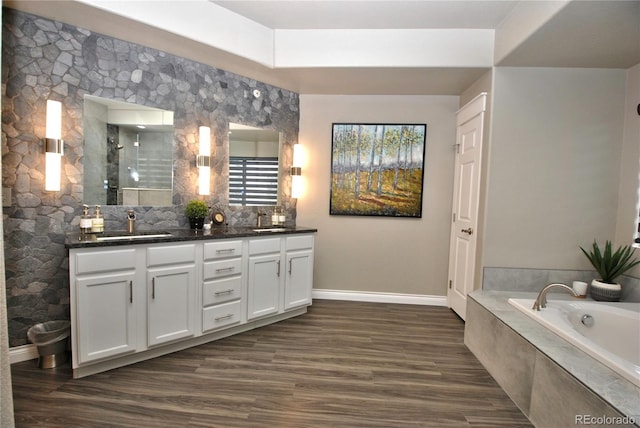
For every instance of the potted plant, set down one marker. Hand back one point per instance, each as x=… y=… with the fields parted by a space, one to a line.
x=196 y=211
x=609 y=265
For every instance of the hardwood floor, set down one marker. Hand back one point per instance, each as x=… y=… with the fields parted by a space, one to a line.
x=343 y=364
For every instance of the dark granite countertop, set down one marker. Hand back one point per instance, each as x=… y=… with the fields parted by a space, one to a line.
x=77 y=240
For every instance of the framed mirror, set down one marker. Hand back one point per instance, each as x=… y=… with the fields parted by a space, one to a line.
x=128 y=153
x=254 y=166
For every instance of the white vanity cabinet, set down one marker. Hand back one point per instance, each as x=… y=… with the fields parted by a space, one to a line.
x=103 y=303
x=171 y=293
x=223 y=285
x=134 y=301
x=265 y=277
x=280 y=274
x=299 y=271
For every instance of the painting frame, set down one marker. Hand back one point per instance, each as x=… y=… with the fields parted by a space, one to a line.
x=377 y=169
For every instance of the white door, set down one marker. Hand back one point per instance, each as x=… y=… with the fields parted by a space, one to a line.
x=171 y=304
x=106 y=320
x=462 y=249
x=299 y=279
x=264 y=285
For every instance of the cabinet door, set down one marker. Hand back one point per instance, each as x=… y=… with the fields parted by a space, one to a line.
x=264 y=285
x=105 y=316
x=299 y=279
x=171 y=304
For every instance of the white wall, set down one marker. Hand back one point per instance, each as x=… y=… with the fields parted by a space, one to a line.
x=554 y=168
x=378 y=254
x=630 y=166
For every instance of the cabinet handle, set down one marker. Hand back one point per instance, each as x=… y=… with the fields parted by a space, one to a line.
x=290 y=265
x=153 y=287
x=130 y=291
x=227 y=269
x=225 y=250
x=229 y=291
x=278 y=267
x=224 y=317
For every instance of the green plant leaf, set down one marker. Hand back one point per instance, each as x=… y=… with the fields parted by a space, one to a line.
x=611 y=264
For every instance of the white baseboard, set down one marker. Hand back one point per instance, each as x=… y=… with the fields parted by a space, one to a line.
x=23 y=353
x=359 y=296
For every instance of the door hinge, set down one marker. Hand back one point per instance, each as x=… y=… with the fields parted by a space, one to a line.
x=450 y=283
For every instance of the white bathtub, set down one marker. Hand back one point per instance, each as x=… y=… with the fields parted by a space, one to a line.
x=613 y=338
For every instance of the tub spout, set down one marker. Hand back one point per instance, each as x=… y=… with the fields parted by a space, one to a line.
x=541 y=300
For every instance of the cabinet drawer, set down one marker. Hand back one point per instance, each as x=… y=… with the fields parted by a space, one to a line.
x=263 y=246
x=104 y=261
x=301 y=242
x=221 y=290
x=222 y=249
x=221 y=268
x=171 y=254
x=222 y=315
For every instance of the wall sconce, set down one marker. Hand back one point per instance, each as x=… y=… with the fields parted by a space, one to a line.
x=203 y=160
x=53 y=146
x=296 y=172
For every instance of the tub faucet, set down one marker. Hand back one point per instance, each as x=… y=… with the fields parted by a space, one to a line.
x=541 y=300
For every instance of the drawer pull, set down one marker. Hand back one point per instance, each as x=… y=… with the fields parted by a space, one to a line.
x=227 y=269
x=224 y=317
x=229 y=291
x=225 y=250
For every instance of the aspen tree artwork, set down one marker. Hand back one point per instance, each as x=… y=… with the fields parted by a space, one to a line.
x=377 y=169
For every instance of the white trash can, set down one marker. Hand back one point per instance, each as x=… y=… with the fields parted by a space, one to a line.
x=51 y=338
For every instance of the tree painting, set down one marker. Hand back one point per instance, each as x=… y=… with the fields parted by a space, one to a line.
x=377 y=169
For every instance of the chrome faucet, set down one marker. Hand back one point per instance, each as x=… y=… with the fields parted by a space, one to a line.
x=259 y=221
x=131 y=221
x=541 y=300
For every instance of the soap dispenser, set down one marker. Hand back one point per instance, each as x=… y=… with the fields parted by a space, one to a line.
x=97 y=225
x=86 y=222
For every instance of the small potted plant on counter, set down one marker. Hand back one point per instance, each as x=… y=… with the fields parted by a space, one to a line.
x=196 y=211
x=609 y=265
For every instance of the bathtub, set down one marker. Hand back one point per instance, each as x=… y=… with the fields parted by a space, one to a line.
x=609 y=332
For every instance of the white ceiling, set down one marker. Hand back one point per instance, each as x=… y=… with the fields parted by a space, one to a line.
x=243 y=36
x=376 y=14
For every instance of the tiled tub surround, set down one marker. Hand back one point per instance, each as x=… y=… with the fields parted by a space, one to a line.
x=44 y=59
x=526 y=279
x=551 y=381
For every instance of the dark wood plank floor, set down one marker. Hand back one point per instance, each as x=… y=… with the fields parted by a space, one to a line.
x=343 y=364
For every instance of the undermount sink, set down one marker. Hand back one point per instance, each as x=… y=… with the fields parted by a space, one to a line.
x=133 y=236
x=270 y=229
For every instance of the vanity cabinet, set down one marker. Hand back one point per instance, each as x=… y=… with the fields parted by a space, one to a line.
x=299 y=275
x=280 y=274
x=103 y=304
x=265 y=277
x=141 y=300
x=222 y=289
x=171 y=293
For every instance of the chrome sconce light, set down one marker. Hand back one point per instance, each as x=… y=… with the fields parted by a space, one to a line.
x=296 y=172
x=203 y=160
x=53 y=146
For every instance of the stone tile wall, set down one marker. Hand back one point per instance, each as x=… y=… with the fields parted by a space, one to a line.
x=44 y=59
